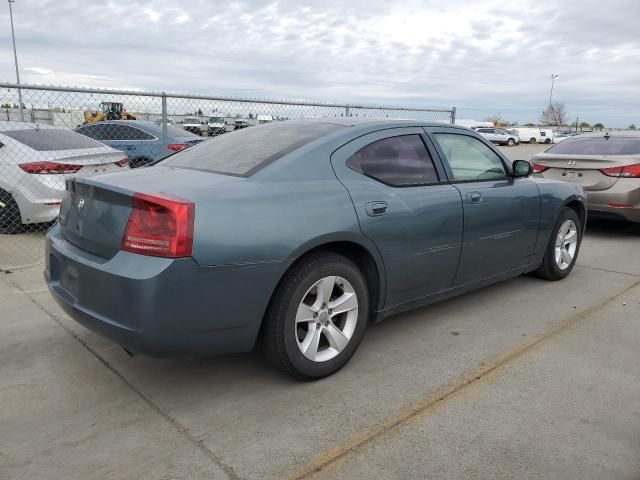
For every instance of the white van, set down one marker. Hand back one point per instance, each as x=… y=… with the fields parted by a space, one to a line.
x=533 y=134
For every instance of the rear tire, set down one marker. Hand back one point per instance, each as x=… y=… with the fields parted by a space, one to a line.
x=10 y=219
x=532 y=140
x=317 y=317
x=562 y=250
x=511 y=142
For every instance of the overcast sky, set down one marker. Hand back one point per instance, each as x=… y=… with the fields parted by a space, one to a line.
x=482 y=56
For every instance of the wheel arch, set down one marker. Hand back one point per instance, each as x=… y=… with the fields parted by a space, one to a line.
x=578 y=206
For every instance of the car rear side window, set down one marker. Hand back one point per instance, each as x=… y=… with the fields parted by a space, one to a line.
x=110 y=131
x=469 y=158
x=397 y=161
x=48 y=139
x=245 y=151
x=597 y=146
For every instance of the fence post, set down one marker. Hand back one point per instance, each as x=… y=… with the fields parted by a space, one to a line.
x=347 y=111
x=164 y=120
x=453 y=115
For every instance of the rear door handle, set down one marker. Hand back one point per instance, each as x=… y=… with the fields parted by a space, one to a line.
x=375 y=209
x=474 y=197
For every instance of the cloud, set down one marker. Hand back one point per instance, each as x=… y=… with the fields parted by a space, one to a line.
x=483 y=56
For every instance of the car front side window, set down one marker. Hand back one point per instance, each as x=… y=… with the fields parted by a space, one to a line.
x=469 y=158
x=397 y=161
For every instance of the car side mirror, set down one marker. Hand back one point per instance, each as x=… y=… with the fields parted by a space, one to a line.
x=521 y=168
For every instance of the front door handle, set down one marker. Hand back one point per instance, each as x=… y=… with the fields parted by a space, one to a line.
x=375 y=209
x=474 y=197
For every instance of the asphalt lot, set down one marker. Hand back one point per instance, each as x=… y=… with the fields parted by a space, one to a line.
x=523 y=379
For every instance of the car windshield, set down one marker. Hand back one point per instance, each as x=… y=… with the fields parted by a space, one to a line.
x=598 y=146
x=48 y=139
x=179 y=132
x=245 y=151
x=216 y=120
x=191 y=120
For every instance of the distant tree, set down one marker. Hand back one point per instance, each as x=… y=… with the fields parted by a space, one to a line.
x=496 y=119
x=599 y=126
x=250 y=115
x=199 y=112
x=632 y=126
x=555 y=114
x=529 y=124
x=584 y=125
x=5 y=105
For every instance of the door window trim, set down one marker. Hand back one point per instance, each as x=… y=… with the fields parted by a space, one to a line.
x=443 y=159
x=391 y=132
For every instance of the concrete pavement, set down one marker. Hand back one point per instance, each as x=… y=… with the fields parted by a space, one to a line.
x=526 y=378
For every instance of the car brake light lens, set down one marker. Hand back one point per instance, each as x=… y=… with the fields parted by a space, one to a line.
x=630 y=171
x=537 y=168
x=160 y=225
x=176 y=147
x=123 y=163
x=49 y=168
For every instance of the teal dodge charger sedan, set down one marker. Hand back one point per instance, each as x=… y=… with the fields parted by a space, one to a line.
x=297 y=235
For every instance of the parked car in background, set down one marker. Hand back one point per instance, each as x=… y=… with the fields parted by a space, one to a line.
x=606 y=166
x=533 y=134
x=216 y=126
x=303 y=232
x=35 y=162
x=195 y=125
x=240 y=124
x=139 y=139
x=499 y=136
x=560 y=136
x=158 y=121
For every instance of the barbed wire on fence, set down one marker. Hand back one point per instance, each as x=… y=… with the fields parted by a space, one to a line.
x=59 y=132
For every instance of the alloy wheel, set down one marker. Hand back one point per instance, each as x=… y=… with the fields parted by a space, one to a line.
x=326 y=318
x=566 y=244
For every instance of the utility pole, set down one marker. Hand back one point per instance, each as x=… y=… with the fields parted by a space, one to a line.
x=553 y=79
x=15 y=57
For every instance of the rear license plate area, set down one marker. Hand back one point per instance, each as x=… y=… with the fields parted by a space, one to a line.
x=573 y=175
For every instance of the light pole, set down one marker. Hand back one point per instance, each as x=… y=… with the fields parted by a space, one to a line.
x=15 y=57
x=553 y=79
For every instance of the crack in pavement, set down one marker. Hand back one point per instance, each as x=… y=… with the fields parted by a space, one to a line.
x=607 y=270
x=427 y=405
x=180 y=428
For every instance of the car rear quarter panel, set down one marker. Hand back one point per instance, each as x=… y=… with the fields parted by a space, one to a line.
x=554 y=196
x=272 y=215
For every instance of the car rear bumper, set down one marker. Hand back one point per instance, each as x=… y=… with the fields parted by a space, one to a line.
x=157 y=306
x=621 y=201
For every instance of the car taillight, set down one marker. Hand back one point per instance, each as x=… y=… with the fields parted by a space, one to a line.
x=176 y=147
x=630 y=171
x=160 y=225
x=49 y=168
x=122 y=163
x=537 y=168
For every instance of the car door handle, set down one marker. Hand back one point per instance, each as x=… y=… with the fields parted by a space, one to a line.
x=375 y=209
x=474 y=197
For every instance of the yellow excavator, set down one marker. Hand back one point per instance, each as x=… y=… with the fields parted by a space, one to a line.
x=108 y=111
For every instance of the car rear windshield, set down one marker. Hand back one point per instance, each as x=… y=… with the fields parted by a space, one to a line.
x=598 y=146
x=47 y=139
x=245 y=151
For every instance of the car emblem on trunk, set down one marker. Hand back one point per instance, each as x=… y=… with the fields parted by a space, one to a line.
x=571 y=163
x=81 y=204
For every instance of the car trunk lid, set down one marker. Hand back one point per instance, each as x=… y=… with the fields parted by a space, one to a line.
x=95 y=211
x=581 y=169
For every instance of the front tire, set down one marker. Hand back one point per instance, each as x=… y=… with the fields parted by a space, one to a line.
x=562 y=251
x=511 y=142
x=317 y=317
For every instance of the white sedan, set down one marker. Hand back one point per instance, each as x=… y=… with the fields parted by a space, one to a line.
x=35 y=162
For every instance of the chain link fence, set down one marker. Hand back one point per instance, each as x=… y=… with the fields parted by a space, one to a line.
x=49 y=134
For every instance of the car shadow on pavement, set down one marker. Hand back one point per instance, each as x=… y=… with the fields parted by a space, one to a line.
x=604 y=227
